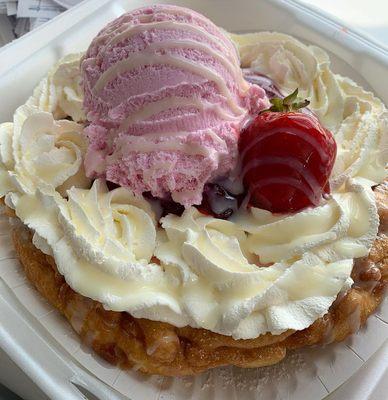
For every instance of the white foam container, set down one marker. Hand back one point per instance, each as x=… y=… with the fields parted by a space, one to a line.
x=41 y=342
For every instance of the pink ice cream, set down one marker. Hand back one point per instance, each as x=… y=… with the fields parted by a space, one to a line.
x=166 y=98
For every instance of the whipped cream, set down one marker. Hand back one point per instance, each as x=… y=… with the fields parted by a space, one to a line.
x=344 y=227
x=102 y=243
x=60 y=92
x=37 y=151
x=256 y=273
x=362 y=136
x=227 y=294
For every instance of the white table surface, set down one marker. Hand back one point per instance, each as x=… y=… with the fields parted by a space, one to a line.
x=370 y=17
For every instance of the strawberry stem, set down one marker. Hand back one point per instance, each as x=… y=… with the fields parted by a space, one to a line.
x=288 y=104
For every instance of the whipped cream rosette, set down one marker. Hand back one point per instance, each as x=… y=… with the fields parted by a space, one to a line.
x=291 y=64
x=102 y=242
x=362 y=137
x=344 y=227
x=38 y=152
x=60 y=91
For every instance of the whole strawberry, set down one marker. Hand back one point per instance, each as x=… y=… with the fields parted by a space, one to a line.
x=287 y=157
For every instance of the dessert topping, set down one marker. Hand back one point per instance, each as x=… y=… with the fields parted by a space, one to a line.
x=287 y=157
x=217 y=201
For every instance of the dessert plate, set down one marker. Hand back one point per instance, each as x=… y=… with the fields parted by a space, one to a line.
x=42 y=343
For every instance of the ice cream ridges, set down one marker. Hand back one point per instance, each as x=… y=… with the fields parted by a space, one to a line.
x=166 y=99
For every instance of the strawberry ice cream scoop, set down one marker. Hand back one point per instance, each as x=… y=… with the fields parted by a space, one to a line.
x=166 y=99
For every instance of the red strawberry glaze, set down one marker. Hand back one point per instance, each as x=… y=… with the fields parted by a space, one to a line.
x=287 y=158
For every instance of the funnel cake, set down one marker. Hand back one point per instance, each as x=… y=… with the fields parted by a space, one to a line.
x=190 y=199
x=159 y=348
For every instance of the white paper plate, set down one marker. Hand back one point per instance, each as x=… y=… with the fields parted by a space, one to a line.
x=42 y=343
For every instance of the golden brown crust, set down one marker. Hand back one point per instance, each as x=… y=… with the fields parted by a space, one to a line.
x=160 y=348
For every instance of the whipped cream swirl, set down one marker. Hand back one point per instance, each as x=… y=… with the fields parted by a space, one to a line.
x=37 y=151
x=60 y=92
x=344 y=227
x=102 y=242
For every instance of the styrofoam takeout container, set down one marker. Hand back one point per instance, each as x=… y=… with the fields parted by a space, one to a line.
x=43 y=344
